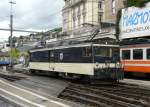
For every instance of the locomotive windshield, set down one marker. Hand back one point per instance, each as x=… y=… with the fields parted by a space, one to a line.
x=102 y=51
x=106 y=51
x=103 y=54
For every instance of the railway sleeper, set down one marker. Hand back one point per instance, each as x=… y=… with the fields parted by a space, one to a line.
x=112 y=96
x=11 y=78
x=118 y=88
x=83 y=100
x=130 y=95
x=114 y=89
x=103 y=99
x=127 y=94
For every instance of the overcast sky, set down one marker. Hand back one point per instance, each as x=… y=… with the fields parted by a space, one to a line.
x=34 y=15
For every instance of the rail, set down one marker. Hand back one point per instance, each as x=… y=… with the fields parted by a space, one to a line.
x=109 y=95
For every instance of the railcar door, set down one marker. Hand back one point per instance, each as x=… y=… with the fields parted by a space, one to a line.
x=51 y=60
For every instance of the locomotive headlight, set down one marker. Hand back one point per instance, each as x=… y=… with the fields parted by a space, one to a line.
x=97 y=64
x=118 y=65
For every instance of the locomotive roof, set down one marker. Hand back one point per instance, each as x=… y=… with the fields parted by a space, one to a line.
x=73 y=46
x=137 y=41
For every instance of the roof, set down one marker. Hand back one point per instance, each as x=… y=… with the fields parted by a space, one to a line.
x=135 y=41
x=25 y=48
x=75 y=45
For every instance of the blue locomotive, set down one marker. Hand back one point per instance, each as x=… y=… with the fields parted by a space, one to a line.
x=92 y=60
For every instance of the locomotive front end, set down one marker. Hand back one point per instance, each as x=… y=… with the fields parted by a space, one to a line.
x=107 y=63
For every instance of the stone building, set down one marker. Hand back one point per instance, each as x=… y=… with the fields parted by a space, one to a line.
x=81 y=16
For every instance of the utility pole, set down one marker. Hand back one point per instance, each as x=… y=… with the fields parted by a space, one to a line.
x=11 y=32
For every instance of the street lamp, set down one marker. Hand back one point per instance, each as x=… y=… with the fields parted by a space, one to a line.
x=11 y=31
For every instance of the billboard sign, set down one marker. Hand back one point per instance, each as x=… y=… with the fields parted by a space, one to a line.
x=135 y=22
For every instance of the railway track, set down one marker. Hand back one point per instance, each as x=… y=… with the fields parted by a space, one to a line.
x=11 y=78
x=102 y=95
x=121 y=95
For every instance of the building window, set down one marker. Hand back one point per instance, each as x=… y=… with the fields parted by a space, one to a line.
x=100 y=5
x=126 y=54
x=84 y=10
x=113 y=6
x=138 y=54
x=148 y=53
x=79 y=13
x=74 y=24
x=79 y=21
x=83 y=19
x=74 y=18
x=99 y=18
x=84 y=6
x=74 y=14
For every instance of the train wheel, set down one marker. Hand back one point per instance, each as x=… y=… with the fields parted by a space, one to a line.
x=86 y=79
x=31 y=72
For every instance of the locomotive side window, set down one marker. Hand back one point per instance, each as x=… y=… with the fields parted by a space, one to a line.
x=126 y=54
x=138 y=54
x=42 y=56
x=52 y=58
x=148 y=53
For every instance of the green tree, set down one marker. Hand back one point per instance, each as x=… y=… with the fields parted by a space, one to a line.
x=137 y=3
x=14 y=53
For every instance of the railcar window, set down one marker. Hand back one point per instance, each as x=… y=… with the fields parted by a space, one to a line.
x=102 y=51
x=148 y=53
x=138 y=54
x=126 y=54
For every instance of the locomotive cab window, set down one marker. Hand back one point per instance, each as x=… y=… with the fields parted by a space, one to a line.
x=148 y=53
x=87 y=52
x=138 y=54
x=102 y=51
x=126 y=54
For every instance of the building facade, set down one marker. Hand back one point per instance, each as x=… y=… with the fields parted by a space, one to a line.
x=81 y=15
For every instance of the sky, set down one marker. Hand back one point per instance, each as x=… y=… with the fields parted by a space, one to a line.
x=34 y=15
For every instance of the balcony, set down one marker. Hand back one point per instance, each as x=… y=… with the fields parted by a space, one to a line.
x=72 y=3
x=100 y=10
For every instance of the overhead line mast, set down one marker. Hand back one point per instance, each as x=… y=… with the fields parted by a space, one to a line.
x=11 y=30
